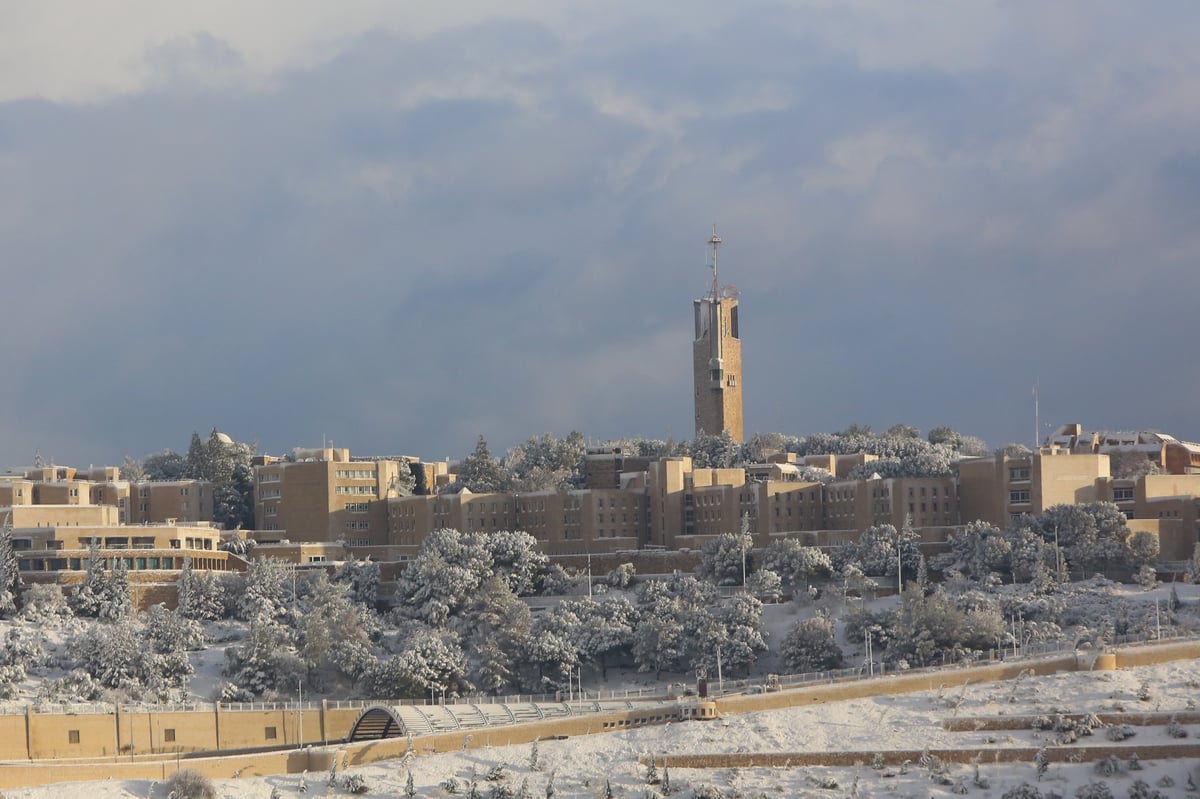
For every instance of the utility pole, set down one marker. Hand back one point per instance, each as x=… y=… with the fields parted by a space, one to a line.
x=300 y=712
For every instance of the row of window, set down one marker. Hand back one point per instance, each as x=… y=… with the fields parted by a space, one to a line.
x=355 y=474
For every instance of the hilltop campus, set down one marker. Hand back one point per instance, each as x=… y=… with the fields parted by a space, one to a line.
x=319 y=506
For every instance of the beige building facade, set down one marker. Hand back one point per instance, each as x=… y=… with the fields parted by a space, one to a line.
x=325 y=495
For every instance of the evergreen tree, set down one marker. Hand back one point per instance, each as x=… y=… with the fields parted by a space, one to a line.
x=116 y=603
x=10 y=571
x=201 y=597
x=97 y=596
x=481 y=473
x=198 y=459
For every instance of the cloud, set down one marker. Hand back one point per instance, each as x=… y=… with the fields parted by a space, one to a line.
x=402 y=229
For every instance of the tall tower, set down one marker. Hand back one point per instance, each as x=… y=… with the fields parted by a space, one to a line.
x=717 y=357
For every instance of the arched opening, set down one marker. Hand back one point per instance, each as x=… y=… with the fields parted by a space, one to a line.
x=376 y=723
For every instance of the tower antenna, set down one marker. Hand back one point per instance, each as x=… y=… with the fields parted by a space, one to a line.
x=715 y=242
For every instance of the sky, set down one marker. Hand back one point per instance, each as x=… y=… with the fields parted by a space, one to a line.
x=399 y=226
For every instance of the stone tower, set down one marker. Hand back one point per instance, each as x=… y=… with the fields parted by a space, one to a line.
x=717 y=358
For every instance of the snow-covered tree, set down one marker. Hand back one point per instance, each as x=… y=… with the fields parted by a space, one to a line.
x=482 y=473
x=934 y=628
x=331 y=631
x=44 y=603
x=714 y=451
x=795 y=563
x=601 y=631
x=765 y=585
x=362 y=580
x=736 y=627
x=119 y=656
x=201 y=597
x=494 y=627
x=165 y=465
x=430 y=660
x=438 y=582
x=977 y=551
x=103 y=595
x=268 y=590
x=1093 y=535
x=170 y=631
x=265 y=659
x=515 y=558
x=10 y=572
x=812 y=646
x=621 y=576
x=726 y=558
x=547 y=463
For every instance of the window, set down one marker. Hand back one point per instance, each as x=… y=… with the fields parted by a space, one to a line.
x=169 y=734
x=1019 y=473
x=1123 y=494
x=72 y=736
x=270 y=733
x=1021 y=496
x=357 y=507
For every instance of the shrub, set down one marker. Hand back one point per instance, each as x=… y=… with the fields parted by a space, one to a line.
x=1120 y=733
x=191 y=784
x=354 y=783
x=1094 y=790
x=1022 y=791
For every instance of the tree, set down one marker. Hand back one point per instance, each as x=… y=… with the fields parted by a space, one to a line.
x=1092 y=535
x=547 y=463
x=102 y=595
x=715 y=451
x=902 y=431
x=600 y=631
x=494 y=626
x=725 y=560
x=811 y=645
x=738 y=626
x=362 y=580
x=796 y=563
x=268 y=590
x=977 y=551
x=439 y=581
x=331 y=632
x=481 y=473
x=430 y=660
x=765 y=585
x=10 y=571
x=201 y=597
x=516 y=558
x=132 y=470
x=165 y=465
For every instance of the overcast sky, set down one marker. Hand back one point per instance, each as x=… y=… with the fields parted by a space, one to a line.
x=398 y=226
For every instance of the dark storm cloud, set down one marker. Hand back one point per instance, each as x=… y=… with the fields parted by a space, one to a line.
x=498 y=229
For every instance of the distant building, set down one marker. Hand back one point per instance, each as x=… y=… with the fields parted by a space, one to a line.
x=717 y=358
x=1166 y=452
x=326 y=495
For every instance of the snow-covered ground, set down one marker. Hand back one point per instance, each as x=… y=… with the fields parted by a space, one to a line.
x=580 y=766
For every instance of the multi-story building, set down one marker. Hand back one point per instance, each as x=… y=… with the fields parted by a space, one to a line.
x=146 y=502
x=1000 y=488
x=1166 y=452
x=717 y=358
x=325 y=495
x=54 y=542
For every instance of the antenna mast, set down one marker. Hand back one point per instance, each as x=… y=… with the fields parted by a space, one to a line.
x=715 y=242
